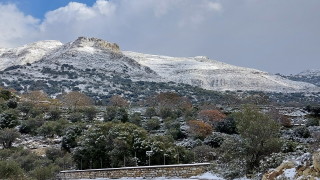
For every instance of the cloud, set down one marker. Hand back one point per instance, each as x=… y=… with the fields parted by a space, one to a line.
x=16 y=27
x=111 y=19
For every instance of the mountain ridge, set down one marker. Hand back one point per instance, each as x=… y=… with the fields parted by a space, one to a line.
x=103 y=60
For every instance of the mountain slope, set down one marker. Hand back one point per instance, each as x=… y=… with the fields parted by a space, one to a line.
x=97 y=66
x=309 y=76
x=214 y=75
x=26 y=54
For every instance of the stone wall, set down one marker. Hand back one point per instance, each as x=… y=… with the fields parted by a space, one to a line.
x=181 y=170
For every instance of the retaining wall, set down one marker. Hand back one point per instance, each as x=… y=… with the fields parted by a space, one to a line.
x=181 y=171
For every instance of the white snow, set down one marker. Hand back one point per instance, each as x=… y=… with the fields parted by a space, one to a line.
x=106 y=58
x=290 y=173
x=205 y=176
x=214 y=75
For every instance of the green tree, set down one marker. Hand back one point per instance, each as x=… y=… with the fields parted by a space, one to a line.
x=260 y=134
x=150 y=112
x=9 y=119
x=90 y=113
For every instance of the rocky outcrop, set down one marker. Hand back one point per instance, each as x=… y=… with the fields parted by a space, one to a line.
x=97 y=43
x=308 y=169
x=271 y=175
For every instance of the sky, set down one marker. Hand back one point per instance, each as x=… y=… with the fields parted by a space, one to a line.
x=277 y=36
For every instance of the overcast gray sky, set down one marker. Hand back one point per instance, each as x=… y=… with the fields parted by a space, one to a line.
x=270 y=35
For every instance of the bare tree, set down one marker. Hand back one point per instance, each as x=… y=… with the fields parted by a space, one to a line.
x=8 y=136
x=75 y=99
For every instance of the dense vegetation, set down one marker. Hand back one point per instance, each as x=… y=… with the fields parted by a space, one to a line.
x=164 y=128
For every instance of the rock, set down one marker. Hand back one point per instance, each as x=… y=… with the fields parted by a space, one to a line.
x=316 y=161
x=271 y=175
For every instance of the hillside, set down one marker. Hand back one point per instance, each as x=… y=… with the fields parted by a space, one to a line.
x=309 y=76
x=100 y=69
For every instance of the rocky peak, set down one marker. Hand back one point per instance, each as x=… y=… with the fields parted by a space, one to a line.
x=96 y=43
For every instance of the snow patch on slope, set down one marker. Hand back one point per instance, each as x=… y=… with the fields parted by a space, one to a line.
x=26 y=54
x=214 y=75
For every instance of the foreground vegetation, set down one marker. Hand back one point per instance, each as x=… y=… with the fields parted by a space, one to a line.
x=164 y=128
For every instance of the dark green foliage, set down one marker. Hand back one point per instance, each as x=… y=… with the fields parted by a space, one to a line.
x=313 y=122
x=315 y=110
x=75 y=117
x=31 y=125
x=90 y=113
x=150 y=112
x=45 y=173
x=5 y=94
x=165 y=113
x=135 y=118
x=8 y=119
x=203 y=153
x=25 y=107
x=54 y=114
x=107 y=144
x=53 y=154
x=215 y=140
x=51 y=128
x=12 y=104
x=10 y=170
x=173 y=128
x=302 y=132
x=122 y=115
x=71 y=134
x=117 y=114
x=260 y=134
x=227 y=126
x=152 y=124
x=110 y=113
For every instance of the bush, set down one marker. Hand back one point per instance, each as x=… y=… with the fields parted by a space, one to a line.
x=199 y=129
x=8 y=119
x=203 y=153
x=136 y=119
x=90 y=113
x=45 y=173
x=150 y=112
x=10 y=170
x=312 y=122
x=215 y=140
x=302 y=132
x=31 y=125
x=8 y=136
x=152 y=124
x=75 y=117
x=227 y=126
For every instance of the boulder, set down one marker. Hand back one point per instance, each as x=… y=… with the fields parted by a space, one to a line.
x=316 y=161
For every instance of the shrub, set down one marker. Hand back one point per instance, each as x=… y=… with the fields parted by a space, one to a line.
x=302 y=132
x=312 y=122
x=199 y=129
x=10 y=170
x=8 y=136
x=211 y=116
x=227 y=126
x=215 y=140
x=152 y=124
x=8 y=119
x=136 y=119
x=150 y=112
x=75 y=117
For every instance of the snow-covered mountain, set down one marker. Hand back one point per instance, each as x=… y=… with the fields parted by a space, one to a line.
x=26 y=54
x=91 y=64
x=309 y=76
x=215 y=75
